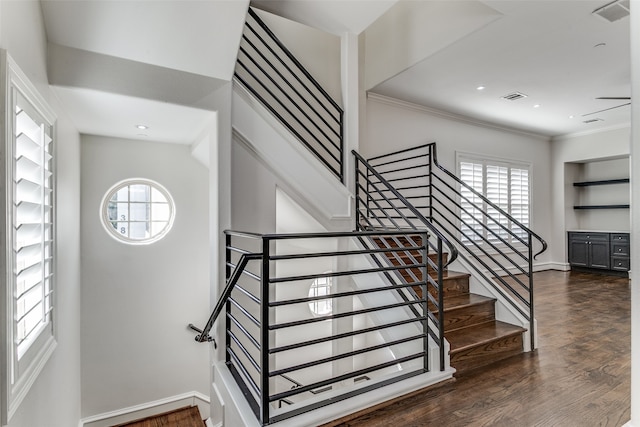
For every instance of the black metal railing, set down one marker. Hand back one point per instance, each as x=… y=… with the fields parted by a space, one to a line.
x=379 y=206
x=496 y=246
x=270 y=72
x=309 y=317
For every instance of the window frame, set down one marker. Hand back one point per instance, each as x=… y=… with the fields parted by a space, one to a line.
x=19 y=372
x=500 y=162
x=107 y=222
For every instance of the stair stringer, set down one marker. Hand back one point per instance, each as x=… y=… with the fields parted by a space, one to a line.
x=504 y=310
x=325 y=197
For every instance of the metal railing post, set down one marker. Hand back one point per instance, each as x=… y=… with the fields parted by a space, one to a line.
x=264 y=332
x=440 y=304
x=357 y=195
x=430 y=196
x=531 y=309
x=425 y=299
x=227 y=328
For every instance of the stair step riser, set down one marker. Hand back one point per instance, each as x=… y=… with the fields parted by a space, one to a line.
x=452 y=286
x=468 y=316
x=486 y=353
x=455 y=286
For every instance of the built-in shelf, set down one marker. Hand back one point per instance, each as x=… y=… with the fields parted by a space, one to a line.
x=603 y=182
x=602 y=207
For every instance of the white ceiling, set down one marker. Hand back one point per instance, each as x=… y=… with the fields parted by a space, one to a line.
x=115 y=64
x=551 y=51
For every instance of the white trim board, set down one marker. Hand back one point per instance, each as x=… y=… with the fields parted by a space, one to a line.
x=148 y=409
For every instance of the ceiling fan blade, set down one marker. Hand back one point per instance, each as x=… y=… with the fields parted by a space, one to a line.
x=619 y=98
x=606 y=109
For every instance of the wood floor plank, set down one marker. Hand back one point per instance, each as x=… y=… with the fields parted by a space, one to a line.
x=579 y=375
x=188 y=416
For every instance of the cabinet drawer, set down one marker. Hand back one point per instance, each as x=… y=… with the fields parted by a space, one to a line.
x=592 y=237
x=621 y=264
x=619 y=249
x=619 y=237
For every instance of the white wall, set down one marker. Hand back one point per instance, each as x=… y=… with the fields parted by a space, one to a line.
x=567 y=154
x=411 y=31
x=138 y=300
x=54 y=399
x=393 y=125
x=318 y=51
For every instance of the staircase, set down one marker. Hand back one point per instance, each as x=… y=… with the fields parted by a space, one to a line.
x=475 y=337
x=397 y=301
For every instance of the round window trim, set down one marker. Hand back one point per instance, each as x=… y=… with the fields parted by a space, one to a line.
x=137 y=211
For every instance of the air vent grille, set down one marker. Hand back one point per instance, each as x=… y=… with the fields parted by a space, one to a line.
x=514 y=96
x=592 y=120
x=614 y=11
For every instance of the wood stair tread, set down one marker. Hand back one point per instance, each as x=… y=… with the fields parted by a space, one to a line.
x=480 y=334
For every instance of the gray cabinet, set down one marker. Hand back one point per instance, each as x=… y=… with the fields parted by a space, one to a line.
x=599 y=250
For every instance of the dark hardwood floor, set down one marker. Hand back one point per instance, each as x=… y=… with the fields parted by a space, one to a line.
x=189 y=416
x=579 y=375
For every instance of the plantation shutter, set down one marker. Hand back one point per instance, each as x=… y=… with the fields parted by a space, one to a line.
x=519 y=207
x=506 y=186
x=32 y=224
x=473 y=175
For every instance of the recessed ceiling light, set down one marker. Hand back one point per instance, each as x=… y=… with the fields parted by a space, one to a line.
x=536 y=106
x=480 y=88
x=571 y=117
x=142 y=127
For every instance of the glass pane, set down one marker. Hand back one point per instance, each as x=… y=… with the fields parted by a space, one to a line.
x=157 y=196
x=160 y=211
x=139 y=193
x=157 y=227
x=123 y=229
x=139 y=230
x=112 y=211
x=122 y=211
x=121 y=195
x=139 y=211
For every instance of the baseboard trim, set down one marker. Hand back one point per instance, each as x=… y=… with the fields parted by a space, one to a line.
x=148 y=409
x=561 y=266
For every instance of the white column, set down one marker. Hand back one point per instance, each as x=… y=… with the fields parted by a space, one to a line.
x=635 y=213
x=219 y=137
x=350 y=69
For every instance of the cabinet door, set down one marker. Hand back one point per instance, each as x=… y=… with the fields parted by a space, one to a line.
x=600 y=255
x=578 y=252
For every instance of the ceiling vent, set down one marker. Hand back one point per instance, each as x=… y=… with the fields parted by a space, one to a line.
x=514 y=96
x=614 y=11
x=593 y=120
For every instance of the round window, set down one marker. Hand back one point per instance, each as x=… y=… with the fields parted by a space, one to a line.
x=321 y=287
x=137 y=211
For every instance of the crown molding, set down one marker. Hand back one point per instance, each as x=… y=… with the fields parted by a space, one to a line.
x=383 y=99
x=626 y=125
